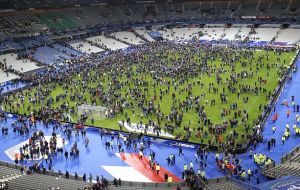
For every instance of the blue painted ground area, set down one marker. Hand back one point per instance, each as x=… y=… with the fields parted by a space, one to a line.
x=93 y=158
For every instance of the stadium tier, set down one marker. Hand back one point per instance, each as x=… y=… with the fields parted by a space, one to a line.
x=152 y=95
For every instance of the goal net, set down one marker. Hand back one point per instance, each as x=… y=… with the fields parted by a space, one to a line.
x=88 y=111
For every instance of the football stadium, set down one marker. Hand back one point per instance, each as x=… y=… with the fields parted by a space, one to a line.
x=149 y=95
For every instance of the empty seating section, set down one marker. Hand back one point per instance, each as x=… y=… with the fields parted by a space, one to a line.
x=14 y=45
x=290 y=166
x=289 y=35
x=264 y=34
x=108 y=42
x=49 y=56
x=181 y=34
x=6 y=76
x=81 y=16
x=281 y=170
x=44 y=182
x=236 y=32
x=136 y=10
x=33 y=42
x=145 y=34
x=56 y=21
x=167 y=34
x=128 y=37
x=230 y=33
x=214 y=33
x=296 y=158
x=85 y=47
x=224 y=185
x=243 y=33
x=248 y=9
x=11 y=61
x=6 y=172
x=67 y=50
x=177 y=10
x=16 y=22
x=3 y=46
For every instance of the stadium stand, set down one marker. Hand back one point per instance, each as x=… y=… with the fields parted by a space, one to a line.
x=11 y=61
x=67 y=50
x=85 y=47
x=289 y=166
x=212 y=32
x=56 y=21
x=144 y=35
x=288 y=35
x=16 y=178
x=108 y=42
x=231 y=33
x=28 y=44
x=283 y=170
x=54 y=54
x=186 y=33
x=263 y=34
x=7 y=76
x=44 y=182
x=243 y=32
x=18 y=22
x=224 y=186
x=128 y=37
x=167 y=34
x=7 y=173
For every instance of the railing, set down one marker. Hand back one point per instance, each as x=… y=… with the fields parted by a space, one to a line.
x=267 y=167
x=243 y=184
x=288 y=158
x=290 y=155
x=201 y=183
x=205 y=185
x=278 y=91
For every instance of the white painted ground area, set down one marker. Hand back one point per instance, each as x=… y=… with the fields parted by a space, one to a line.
x=141 y=128
x=16 y=149
x=126 y=173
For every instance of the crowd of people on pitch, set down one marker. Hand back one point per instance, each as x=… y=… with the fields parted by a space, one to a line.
x=144 y=94
x=167 y=80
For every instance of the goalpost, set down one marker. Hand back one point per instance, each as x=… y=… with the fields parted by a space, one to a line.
x=89 y=111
